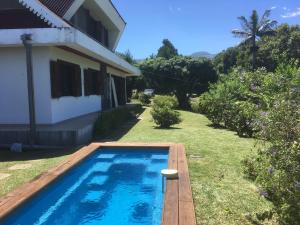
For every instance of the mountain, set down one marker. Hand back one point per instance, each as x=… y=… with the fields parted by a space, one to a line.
x=203 y=54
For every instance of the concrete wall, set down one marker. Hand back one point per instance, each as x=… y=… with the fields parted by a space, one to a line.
x=13 y=87
x=69 y=107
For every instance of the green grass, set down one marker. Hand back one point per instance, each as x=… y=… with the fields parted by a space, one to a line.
x=41 y=161
x=221 y=194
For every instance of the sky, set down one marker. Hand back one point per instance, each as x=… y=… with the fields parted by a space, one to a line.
x=192 y=25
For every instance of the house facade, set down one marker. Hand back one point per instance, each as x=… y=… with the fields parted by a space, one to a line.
x=58 y=63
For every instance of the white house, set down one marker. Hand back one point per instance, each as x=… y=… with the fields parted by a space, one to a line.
x=58 y=63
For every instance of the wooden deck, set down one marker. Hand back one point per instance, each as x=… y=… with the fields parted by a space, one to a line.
x=178 y=204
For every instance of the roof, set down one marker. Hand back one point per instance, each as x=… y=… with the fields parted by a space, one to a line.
x=45 y=13
x=59 y=7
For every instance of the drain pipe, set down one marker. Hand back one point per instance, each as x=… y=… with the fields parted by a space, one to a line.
x=26 y=39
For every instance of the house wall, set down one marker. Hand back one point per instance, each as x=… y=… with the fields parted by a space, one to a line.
x=13 y=85
x=69 y=107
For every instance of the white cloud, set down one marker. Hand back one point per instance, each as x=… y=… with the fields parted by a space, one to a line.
x=273 y=7
x=292 y=14
x=284 y=8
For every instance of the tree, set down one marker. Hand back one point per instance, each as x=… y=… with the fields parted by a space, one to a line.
x=167 y=51
x=180 y=75
x=283 y=46
x=127 y=56
x=253 y=29
x=226 y=60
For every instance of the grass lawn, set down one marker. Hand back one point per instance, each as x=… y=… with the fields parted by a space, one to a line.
x=221 y=194
x=30 y=165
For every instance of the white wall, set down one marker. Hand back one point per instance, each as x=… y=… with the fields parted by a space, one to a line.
x=70 y=107
x=13 y=85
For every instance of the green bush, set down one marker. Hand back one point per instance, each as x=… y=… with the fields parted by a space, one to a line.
x=135 y=94
x=163 y=112
x=144 y=99
x=237 y=99
x=276 y=167
x=165 y=101
x=112 y=119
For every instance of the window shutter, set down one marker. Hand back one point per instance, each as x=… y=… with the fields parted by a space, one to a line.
x=99 y=31
x=77 y=82
x=56 y=88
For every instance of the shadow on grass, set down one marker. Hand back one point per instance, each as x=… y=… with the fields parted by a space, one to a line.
x=170 y=128
x=118 y=133
x=217 y=126
x=7 y=156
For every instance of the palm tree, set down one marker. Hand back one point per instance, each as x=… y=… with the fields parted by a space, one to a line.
x=253 y=29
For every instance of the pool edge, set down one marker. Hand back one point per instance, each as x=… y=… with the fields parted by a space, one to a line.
x=178 y=201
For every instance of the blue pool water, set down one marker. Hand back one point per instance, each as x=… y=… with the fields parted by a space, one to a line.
x=110 y=187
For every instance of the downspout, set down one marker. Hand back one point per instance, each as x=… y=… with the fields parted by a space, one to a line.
x=26 y=39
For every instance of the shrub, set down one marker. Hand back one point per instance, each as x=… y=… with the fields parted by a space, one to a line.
x=144 y=99
x=165 y=101
x=276 y=167
x=112 y=119
x=163 y=112
x=135 y=94
x=237 y=99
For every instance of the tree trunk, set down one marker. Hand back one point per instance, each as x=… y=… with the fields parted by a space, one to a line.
x=183 y=100
x=254 y=49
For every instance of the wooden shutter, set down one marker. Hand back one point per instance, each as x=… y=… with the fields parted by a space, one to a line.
x=99 y=31
x=56 y=87
x=77 y=81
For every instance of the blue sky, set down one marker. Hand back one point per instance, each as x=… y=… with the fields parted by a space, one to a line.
x=192 y=25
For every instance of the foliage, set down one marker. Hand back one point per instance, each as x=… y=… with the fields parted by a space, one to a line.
x=128 y=57
x=167 y=51
x=144 y=99
x=135 y=94
x=276 y=168
x=112 y=119
x=273 y=50
x=266 y=105
x=181 y=76
x=163 y=112
x=237 y=99
x=226 y=60
x=253 y=29
x=165 y=101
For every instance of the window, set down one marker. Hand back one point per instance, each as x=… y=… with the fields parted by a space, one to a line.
x=90 y=26
x=65 y=79
x=93 y=82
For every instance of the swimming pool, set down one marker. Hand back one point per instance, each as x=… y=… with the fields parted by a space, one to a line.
x=111 y=186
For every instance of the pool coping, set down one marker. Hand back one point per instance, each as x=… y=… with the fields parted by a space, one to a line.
x=178 y=201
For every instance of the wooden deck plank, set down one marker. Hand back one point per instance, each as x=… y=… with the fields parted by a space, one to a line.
x=186 y=205
x=170 y=212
